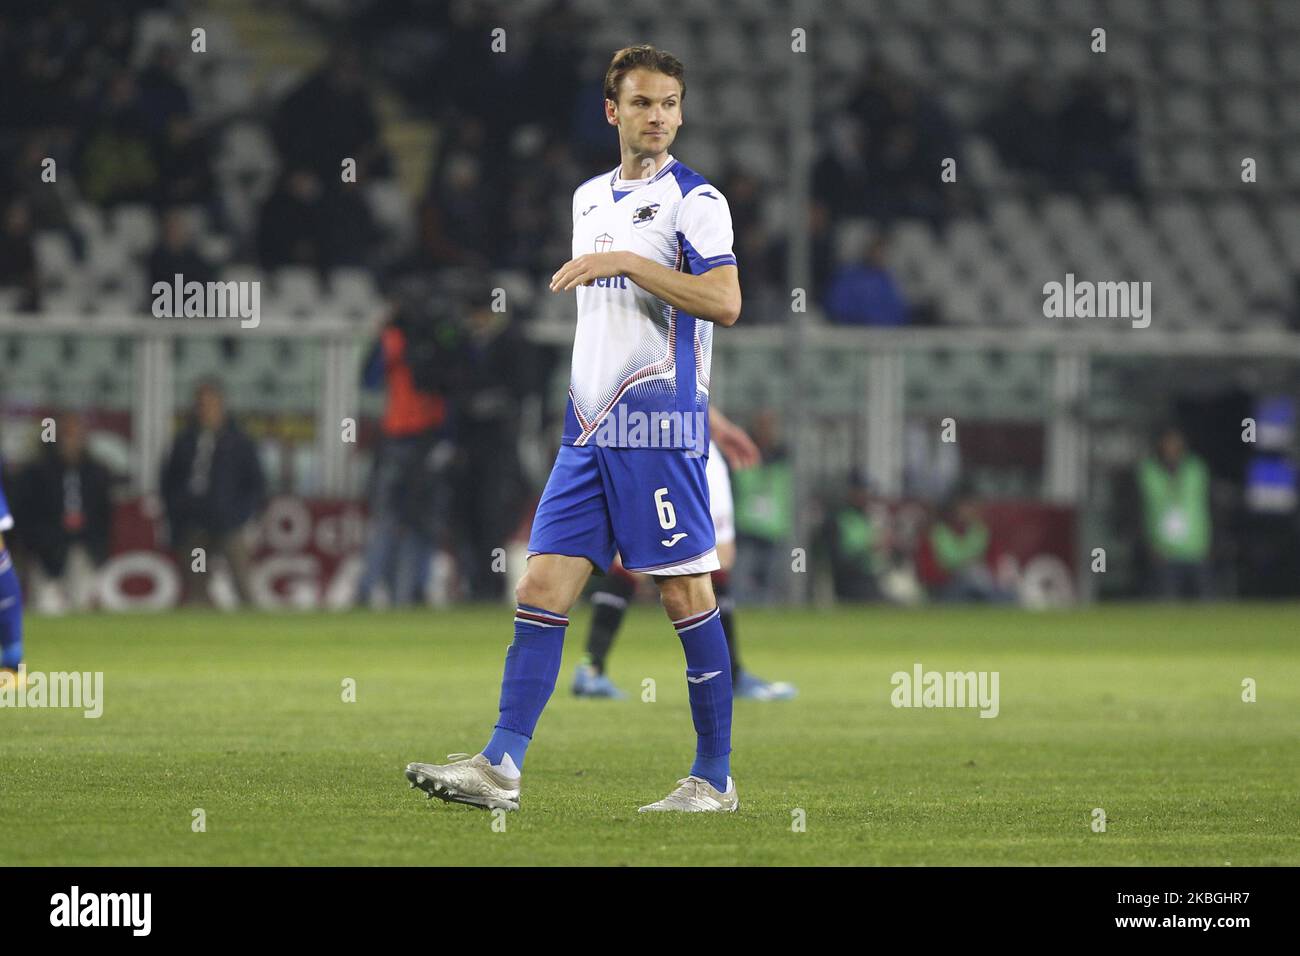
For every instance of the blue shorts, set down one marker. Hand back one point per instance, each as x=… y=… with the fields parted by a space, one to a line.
x=648 y=505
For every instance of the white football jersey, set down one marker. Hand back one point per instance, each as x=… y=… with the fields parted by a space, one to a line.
x=633 y=352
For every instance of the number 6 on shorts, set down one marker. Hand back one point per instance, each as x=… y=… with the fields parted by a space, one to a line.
x=667 y=517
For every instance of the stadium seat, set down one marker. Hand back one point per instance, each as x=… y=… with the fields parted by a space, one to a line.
x=757 y=155
x=843 y=51
x=968 y=242
x=702 y=149
x=1187 y=60
x=352 y=292
x=1247 y=111
x=1013 y=51
x=520 y=293
x=1133 y=15
x=88 y=220
x=851 y=239
x=391 y=208
x=902 y=52
x=962 y=54
x=1190 y=14
x=154 y=28
x=727 y=48
x=135 y=226
x=970 y=13
x=1285 y=15
x=1291 y=168
x=1242 y=16
x=1194 y=166
x=1243 y=59
x=1078 y=14
x=921 y=13
x=1023 y=13
x=1288 y=57
x=296 y=291
x=231 y=90
x=1186 y=111
x=55 y=261
x=1070 y=53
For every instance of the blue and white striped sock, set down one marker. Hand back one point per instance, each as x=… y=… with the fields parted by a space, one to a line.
x=708 y=677
x=532 y=666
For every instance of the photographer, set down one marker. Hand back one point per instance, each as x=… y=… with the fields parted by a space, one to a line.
x=412 y=359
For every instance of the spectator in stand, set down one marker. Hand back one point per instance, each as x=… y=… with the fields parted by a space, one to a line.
x=762 y=280
x=864 y=292
x=328 y=118
x=294 y=228
x=307 y=223
x=1026 y=128
x=18 y=257
x=162 y=97
x=212 y=489
x=1175 y=486
x=906 y=136
x=185 y=159
x=117 y=161
x=459 y=217
x=63 y=497
x=176 y=254
x=47 y=201
x=840 y=178
x=1100 y=122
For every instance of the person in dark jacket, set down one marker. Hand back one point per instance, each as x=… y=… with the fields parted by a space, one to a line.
x=212 y=488
x=63 y=496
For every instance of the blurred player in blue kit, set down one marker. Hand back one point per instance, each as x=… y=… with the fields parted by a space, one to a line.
x=11 y=608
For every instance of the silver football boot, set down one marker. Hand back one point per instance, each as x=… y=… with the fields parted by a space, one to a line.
x=694 y=795
x=466 y=779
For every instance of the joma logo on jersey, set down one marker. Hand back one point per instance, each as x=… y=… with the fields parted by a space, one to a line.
x=644 y=214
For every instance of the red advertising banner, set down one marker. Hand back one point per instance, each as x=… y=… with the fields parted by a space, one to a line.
x=305 y=554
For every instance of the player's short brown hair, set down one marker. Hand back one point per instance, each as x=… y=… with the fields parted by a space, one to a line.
x=646 y=57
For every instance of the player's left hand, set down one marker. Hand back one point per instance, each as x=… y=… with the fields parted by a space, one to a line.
x=582 y=270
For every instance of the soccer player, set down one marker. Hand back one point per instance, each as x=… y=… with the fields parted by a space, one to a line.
x=654 y=271
x=11 y=608
x=610 y=601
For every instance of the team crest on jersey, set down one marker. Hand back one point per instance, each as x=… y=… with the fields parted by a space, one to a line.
x=645 y=214
x=603 y=242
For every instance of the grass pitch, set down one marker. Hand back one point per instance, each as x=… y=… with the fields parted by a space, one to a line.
x=1136 y=710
